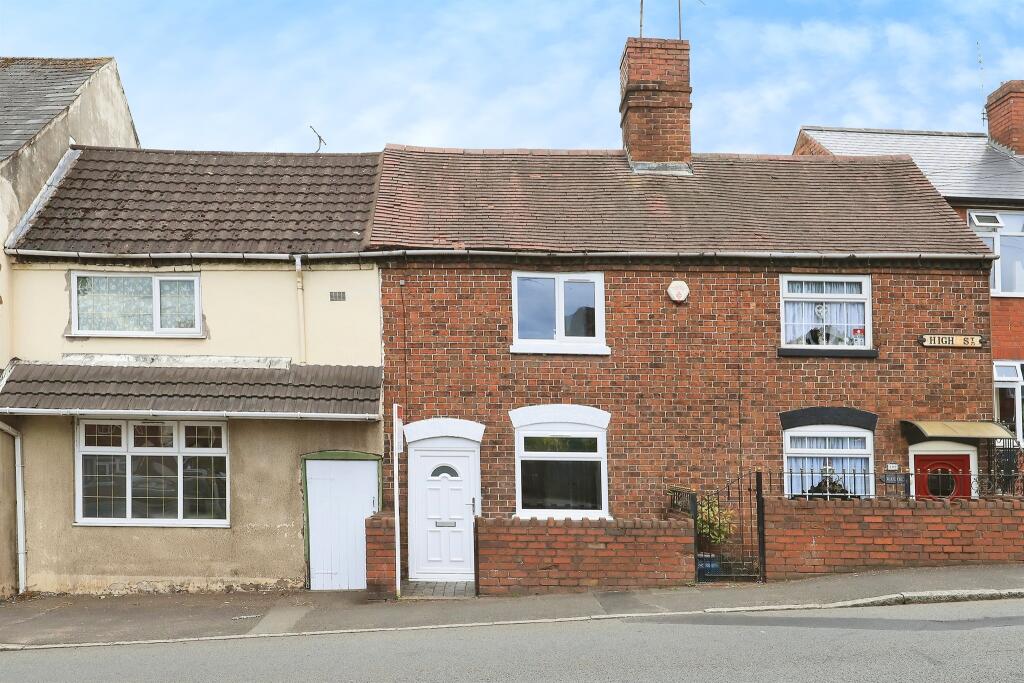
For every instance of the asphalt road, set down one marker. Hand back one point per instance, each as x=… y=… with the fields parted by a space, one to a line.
x=980 y=641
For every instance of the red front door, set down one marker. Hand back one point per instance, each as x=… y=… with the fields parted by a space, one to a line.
x=942 y=476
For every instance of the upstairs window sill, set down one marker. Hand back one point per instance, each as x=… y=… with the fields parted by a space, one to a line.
x=825 y=352
x=135 y=335
x=562 y=348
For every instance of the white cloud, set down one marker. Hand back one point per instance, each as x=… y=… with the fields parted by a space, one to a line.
x=526 y=73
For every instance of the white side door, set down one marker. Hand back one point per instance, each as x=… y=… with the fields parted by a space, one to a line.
x=340 y=495
x=443 y=499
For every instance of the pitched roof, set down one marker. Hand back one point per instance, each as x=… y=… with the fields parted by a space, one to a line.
x=960 y=165
x=142 y=201
x=35 y=90
x=310 y=390
x=592 y=201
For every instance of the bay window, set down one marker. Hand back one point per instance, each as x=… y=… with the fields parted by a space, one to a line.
x=561 y=462
x=151 y=473
x=127 y=305
x=826 y=311
x=558 y=313
x=828 y=460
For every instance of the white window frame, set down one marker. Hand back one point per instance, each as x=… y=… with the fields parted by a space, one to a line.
x=564 y=421
x=829 y=430
x=1017 y=385
x=995 y=232
x=562 y=344
x=157 y=331
x=972 y=217
x=127 y=449
x=864 y=297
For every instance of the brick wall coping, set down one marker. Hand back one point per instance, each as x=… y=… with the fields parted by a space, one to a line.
x=533 y=522
x=385 y=519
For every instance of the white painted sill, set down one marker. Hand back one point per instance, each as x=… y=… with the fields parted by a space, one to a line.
x=159 y=524
x=135 y=335
x=563 y=348
x=559 y=515
x=1007 y=295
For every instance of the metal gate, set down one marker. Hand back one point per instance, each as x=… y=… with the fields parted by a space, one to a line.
x=729 y=524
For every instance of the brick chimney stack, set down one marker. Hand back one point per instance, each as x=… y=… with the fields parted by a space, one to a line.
x=655 y=107
x=1005 y=108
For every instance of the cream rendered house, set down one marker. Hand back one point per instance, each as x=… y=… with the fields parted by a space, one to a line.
x=197 y=373
x=45 y=104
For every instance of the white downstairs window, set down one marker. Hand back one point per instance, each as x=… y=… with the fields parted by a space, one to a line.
x=124 y=305
x=826 y=311
x=828 y=460
x=151 y=473
x=558 y=313
x=561 y=462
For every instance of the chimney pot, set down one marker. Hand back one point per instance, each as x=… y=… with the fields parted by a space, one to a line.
x=654 y=76
x=1005 y=111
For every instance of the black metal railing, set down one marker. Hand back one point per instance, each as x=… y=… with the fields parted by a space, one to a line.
x=934 y=483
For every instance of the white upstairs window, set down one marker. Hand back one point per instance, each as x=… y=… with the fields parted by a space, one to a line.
x=127 y=305
x=1003 y=232
x=558 y=313
x=826 y=311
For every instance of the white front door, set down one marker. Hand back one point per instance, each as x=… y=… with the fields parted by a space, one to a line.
x=443 y=498
x=340 y=495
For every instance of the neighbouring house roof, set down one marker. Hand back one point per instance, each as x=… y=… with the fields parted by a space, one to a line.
x=33 y=91
x=960 y=165
x=142 y=201
x=593 y=201
x=309 y=391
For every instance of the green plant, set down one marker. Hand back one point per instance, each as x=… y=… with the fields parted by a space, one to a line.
x=713 y=523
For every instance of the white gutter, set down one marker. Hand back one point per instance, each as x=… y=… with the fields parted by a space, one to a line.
x=898 y=256
x=178 y=256
x=19 y=487
x=300 y=297
x=187 y=414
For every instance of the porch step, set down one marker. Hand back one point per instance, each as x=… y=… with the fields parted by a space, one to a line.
x=438 y=590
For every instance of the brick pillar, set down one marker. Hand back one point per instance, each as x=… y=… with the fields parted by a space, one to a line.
x=380 y=555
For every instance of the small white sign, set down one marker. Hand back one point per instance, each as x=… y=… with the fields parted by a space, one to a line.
x=678 y=291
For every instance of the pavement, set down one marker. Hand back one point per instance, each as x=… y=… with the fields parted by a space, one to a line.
x=974 y=641
x=56 y=620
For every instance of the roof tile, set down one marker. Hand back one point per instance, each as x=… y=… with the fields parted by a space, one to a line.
x=595 y=202
x=313 y=389
x=128 y=201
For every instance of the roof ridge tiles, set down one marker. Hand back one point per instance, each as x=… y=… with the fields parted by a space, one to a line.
x=7 y=60
x=895 y=131
x=501 y=151
x=871 y=158
x=211 y=152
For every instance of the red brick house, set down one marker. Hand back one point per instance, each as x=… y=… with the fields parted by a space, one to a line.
x=981 y=175
x=569 y=333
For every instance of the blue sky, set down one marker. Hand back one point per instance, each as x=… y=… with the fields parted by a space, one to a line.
x=254 y=75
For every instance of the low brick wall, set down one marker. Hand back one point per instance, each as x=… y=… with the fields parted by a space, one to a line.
x=808 y=537
x=380 y=555
x=527 y=556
